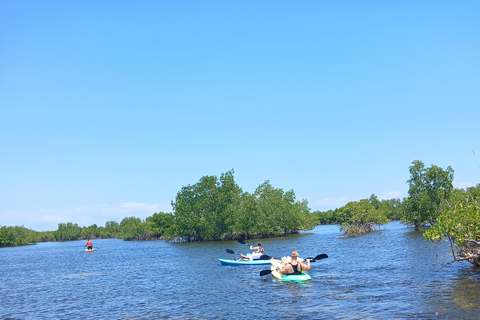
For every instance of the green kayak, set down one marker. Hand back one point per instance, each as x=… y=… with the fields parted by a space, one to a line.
x=276 y=264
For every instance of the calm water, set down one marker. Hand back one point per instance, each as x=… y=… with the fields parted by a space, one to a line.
x=386 y=275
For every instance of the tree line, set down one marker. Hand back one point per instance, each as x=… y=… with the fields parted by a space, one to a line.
x=451 y=214
x=218 y=209
x=212 y=209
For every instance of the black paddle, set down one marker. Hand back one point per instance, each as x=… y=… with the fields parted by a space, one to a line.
x=319 y=257
x=231 y=251
x=265 y=272
x=243 y=242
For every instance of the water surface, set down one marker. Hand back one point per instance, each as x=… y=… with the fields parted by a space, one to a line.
x=390 y=274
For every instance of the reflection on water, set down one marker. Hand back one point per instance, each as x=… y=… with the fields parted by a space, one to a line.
x=391 y=274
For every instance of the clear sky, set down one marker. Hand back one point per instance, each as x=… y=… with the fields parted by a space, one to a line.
x=108 y=108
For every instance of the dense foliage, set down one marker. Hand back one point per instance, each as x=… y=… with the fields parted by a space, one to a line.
x=391 y=209
x=217 y=209
x=212 y=209
x=460 y=225
x=428 y=194
x=360 y=217
x=207 y=210
x=16 y=236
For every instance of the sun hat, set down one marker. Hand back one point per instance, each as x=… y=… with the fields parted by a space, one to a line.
x=294 y=254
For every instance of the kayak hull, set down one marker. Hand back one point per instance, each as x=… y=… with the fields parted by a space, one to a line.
x=291 y=277
x=90 y=250
x=276 y=264
x=231 y=262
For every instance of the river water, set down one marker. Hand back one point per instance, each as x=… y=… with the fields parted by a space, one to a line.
x=391 y=274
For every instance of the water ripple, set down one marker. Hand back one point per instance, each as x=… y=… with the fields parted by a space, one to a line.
x=387 y=275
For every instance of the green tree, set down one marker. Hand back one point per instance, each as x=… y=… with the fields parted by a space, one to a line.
x=91 y=232
x=325 y=217
x=391 y=207
x=112 y=229
x=204 y=211
x=131 y=228
x=16 y=236
x=428 y=194
x=272 y=212
x=163 y=225
x=360 y=217
x=216 y=209
x=68 y=231
x=45 y=236
x=461 y=227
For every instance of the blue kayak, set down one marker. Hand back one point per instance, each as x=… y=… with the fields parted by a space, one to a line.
x=232 y=262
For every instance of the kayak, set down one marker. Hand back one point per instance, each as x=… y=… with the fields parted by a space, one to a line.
x=288 y=277
x=90 y=250
x=291 y=277
x=232 y=262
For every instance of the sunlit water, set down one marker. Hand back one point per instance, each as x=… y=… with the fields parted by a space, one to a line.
x=390 y=274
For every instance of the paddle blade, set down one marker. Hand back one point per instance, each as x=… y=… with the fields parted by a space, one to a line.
x=321 y=256
x=230 y=251
x=265 y=257
x=265 y=272
x=242 y=242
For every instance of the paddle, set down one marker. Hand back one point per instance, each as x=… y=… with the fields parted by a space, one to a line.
x=265 y=272
x=231 y=251
x=243 y=242
x=319 y=257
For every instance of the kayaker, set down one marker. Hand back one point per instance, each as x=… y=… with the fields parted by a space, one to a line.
x=257 y=252
x=295 y=267
x=89 y=244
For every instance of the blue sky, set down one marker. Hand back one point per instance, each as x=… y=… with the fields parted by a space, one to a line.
x=108 y=108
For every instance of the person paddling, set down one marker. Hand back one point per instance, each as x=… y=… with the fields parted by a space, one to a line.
x=295 y=267
x=89 y=245
x=257 y=252
x=258 y=249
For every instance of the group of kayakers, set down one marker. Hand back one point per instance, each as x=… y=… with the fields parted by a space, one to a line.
x=291 y=265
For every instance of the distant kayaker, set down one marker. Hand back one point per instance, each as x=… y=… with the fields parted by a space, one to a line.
x=89 y=244
x=295 y=267
x=258 y=251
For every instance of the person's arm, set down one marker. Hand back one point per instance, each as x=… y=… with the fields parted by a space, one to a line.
x=306 y=266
